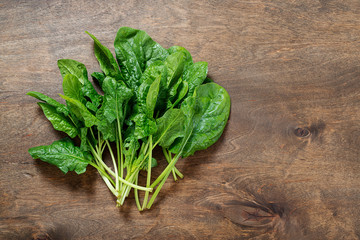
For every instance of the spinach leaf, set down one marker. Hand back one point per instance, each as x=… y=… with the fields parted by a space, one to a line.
x=155 y=72
x=99 y=76
x=135 y=51
x=181 y=93
x=169 y=127
x=175 y=65
x=173 y=91
x=195 y=75
x=188 y=109
x=89 y=92
x=209 y=115
x=60 y=108
x=152 y=96
x=72 y=87
x=144 y=126
x=80 y=111
x=154 y=163
x=107 y=128
x=84 y=145
x=58 y=120
x=63 y=154
x=69 y=66
x=131 y=145
x=116 y=95
x=106 y=60
x=82 y=89
x=188 y=58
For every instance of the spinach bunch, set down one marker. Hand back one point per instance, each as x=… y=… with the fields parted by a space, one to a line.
x=152 y=96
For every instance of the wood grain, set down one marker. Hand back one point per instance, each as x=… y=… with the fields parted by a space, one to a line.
x=287 y=165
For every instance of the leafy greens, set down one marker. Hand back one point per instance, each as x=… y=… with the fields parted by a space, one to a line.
x=152 y=96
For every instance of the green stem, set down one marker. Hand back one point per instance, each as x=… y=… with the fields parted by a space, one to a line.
x=73 y=121
x=100 y=161
x=102 y=172
x=113 y=174
x=145 y=148
x=174 y=168
x=119 y=146
x=168 y=159
x=157 y=191
x=111 y=188
x=125 y=194
x=115 y=167
x=102 y=148
x=166 y=171
x=137 y=196
x=92 y=133
x=126 y=189
x=129 y=184
x=148 y=173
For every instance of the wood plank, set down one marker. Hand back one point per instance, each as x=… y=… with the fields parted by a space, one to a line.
x=287 y=165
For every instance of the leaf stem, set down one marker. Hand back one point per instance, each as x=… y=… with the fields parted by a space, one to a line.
x=166 y=171
x=137 y=195
x=153 y=197
x=115 y=167
x=173 y=161
x=119 y=146
x=102 y=172
x=148 y=173
x=174 y=169
x=168 y=159
x=113 y=174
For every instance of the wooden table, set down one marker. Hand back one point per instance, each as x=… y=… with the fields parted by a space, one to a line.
x=287 y=165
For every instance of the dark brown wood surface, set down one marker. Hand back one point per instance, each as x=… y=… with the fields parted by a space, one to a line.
x=287 y=165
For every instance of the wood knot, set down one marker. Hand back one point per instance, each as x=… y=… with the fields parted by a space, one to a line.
x=249 y=214
x=302 y=132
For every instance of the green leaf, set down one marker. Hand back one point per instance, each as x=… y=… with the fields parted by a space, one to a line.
x=131 y=145
x=195 y=75
x=169 y=127
x=99 y=76
x=210 y=114
x=174 y=89
x=135 y=51
x=116 y=96
x=106 y=60
x=144 y=126
x=95 y=98
x=69 y=66
x=63 y=154
x=58 y=120
x=181 y=93
x=188 y=59
x=77 y=85
x=80 y=111
x=84 y=146
x=72 y=87
x=175 y=65
x=155 y=72
x=188 y=108
x=108 y=129
x=152 y=96
x=60 y=108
